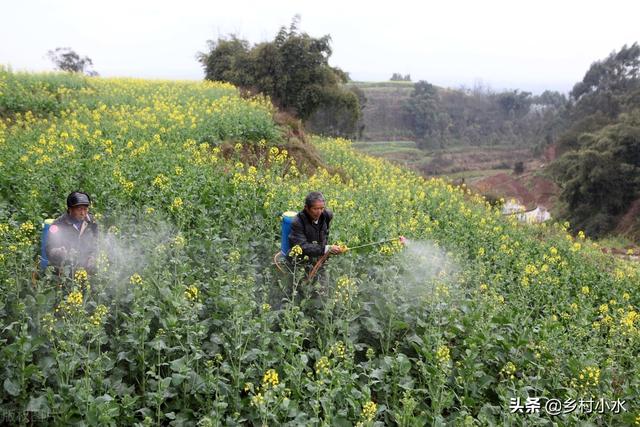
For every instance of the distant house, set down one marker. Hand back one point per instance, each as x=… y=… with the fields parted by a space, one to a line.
x=512 y=206
x=537 y=215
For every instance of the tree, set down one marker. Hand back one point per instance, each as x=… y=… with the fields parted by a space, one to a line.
x=599 y=181
x=66 y=59
x=292 y=69
x=514 y=104
x=227 y=60
x=397 y=77
x=619 y=72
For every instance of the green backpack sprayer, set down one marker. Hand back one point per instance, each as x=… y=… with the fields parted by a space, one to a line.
x=285 y=227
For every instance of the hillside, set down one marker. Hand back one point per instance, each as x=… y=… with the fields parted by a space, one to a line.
x=188 y=322
x=382 y=115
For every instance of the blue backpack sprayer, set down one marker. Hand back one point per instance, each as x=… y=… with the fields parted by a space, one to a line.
x=44 y=261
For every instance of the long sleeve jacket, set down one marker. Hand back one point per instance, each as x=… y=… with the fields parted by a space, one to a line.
x=311 y=237
x=79 y=244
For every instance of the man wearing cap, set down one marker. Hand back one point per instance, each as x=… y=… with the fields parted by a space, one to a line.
x=72 y=236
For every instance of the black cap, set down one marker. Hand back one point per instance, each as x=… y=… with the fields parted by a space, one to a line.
x=78 y=198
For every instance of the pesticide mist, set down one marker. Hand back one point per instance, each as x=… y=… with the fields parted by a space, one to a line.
x=128 y=248
x=427 y=272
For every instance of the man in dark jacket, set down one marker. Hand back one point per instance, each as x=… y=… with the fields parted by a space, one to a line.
x=310 y=229
x=72 y=236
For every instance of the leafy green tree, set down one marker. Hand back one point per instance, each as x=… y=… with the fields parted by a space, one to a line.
x=293 y=69
x=227 y=60
x=514 y=104
x=599 y=181
x=619 y=72
x=424 y=113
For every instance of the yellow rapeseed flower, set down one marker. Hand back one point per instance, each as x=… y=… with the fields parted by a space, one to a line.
x=177 y=203
x=443 y=354
x=74 y=298
x=192 y=293
x=322 y=366
x=369 y=411
x=295 y=251
x=270 y=378
x=81 y=276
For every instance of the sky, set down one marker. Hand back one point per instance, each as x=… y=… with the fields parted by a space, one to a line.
x=516 y=44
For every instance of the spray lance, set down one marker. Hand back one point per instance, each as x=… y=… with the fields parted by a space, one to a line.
x=286 y=220
x=403 y=241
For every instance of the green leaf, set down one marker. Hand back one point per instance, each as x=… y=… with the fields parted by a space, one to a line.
x=38 y=404
x=12 y=388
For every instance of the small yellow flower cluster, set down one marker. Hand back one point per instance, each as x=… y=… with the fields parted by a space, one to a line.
x=345 y=290
x=161 y=182
x=322 y=366
x=508 y=370
x=267 y=391
x=277 y=156
x=48 y=321
x=270 y=379
x=136 y=279
x=192 y=293
x=74 y=299
x=179 y=241
x=589 y=376
x=295 y=251
x=126 y=185
x=443 y=354
x=81 y=276
x=369 y=411
x=628 y=322
x=385 y=250
x=98 y=315
x=257 y=400
x=234 y=256
x=266 y=307
x=27 y=227
x=338 y=350
x=71 y=305
x=177 y=204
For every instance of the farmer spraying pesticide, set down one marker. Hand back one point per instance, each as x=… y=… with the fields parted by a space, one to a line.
x=309 y=235
x=71 y=239
x=305 y=236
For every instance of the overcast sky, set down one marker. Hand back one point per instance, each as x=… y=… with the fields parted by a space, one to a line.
x=531 y=45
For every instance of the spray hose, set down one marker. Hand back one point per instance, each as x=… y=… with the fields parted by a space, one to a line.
x=323 y=258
